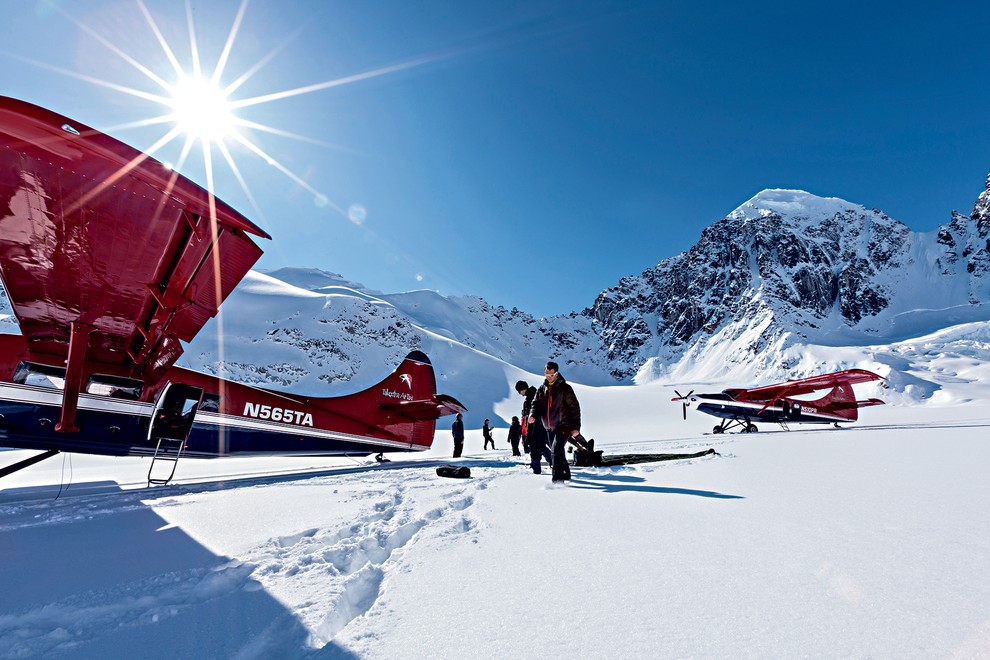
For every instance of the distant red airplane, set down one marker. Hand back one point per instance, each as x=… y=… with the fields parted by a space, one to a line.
x=776 y=404
x=110 y=260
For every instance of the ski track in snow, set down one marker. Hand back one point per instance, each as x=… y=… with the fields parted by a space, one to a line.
x=341 y=572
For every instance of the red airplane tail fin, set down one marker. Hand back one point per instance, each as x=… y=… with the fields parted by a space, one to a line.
x=407 y=401
x=841 y=401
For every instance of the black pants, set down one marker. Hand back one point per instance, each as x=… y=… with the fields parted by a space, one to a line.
x=458 y=448
x=537 y=441
x=561 y=469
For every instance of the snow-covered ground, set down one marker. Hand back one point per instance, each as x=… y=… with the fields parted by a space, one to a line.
x=869 y=541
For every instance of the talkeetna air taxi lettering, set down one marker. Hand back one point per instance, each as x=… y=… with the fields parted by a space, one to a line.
x=392 y=394
x=110 y=260
x=836 y=402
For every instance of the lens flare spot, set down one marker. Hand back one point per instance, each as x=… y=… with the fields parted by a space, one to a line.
x=357 y=214
x=321 y=201
x=419 y=277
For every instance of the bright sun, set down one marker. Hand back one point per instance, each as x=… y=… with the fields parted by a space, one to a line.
x=201 y=109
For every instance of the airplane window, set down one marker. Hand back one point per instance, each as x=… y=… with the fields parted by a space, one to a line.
x=188 y=405
x=116 y=387
x=39 y=375
x=210 y=402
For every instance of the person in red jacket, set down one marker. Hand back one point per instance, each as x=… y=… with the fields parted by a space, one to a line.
x=533 y=436
x=556 y=409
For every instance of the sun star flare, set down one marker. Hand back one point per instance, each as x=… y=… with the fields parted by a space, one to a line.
x=201 y=110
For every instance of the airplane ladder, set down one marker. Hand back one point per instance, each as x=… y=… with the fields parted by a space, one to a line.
x=167 y=451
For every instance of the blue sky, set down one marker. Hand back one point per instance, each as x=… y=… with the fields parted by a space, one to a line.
x=534 y=152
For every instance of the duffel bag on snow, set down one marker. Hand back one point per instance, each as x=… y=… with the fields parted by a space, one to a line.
x=454 y=471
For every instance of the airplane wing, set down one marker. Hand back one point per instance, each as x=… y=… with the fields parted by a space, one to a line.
x=104 y=246
x=813 y=384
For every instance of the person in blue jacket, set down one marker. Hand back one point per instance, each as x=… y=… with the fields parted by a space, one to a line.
x=458 y=430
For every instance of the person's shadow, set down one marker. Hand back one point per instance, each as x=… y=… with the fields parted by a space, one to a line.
x=106 y=576
x=625 y=483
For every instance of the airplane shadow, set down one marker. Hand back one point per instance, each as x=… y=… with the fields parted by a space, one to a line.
x=45 y=494
x=106 y=576
x=626 y=484
x=49 y=492
x=965 y=424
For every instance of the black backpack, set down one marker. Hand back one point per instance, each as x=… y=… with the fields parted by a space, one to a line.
x=586 y=455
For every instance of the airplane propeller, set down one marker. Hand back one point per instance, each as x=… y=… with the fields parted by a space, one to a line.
x=683 y=399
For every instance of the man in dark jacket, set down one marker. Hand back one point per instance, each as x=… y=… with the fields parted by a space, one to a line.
x=557 y=409
x=486 y=433
x=458 y=430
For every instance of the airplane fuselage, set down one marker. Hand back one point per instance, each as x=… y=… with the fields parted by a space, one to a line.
x=781 y=411
x=114 y=413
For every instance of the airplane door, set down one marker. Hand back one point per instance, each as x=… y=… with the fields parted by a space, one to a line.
x=175 y=412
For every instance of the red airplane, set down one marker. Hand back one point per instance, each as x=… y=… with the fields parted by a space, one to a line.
x=110 y=260
x=776 y=404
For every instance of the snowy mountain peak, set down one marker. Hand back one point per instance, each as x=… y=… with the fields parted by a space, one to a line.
x=789 y=267
x=792 y=204
x=315 y=278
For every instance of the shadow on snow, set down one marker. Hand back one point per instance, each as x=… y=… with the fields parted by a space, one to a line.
x=90 y=578
x=629 y=483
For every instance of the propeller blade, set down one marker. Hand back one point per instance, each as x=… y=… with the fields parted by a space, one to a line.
x=683 y=398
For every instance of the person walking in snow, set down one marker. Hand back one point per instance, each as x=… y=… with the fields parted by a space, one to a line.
x=533 y=435
x=458 y=431
x=515 y=432
x=486 y=431
x=557 y=409
x=527 y=393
